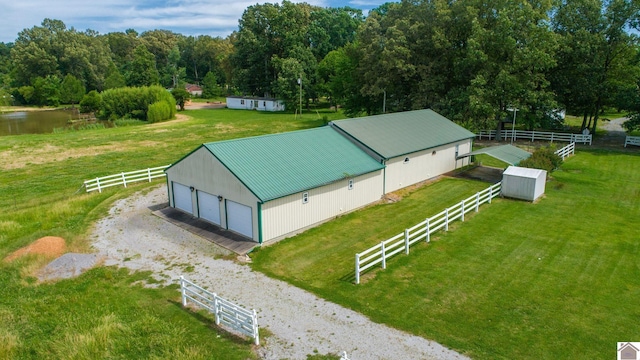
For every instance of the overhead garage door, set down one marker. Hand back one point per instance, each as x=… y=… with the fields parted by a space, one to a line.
x=182 y=198
x=209 y=207
x=239 y=218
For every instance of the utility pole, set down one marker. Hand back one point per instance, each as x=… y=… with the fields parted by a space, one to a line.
x=300 y=82
x=513 y=125
x=384 y=102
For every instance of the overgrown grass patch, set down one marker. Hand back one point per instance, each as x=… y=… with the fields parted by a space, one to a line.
x=517 y=280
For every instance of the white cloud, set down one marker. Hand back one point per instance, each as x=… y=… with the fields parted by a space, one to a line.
x=188 y=17
x=213 y=17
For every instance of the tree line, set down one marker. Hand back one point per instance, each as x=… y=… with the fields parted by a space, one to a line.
x=474 y=61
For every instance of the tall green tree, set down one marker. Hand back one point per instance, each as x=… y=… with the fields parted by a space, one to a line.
x=210 y=86
x=72 y=90
x=142 y=69
x=597 y=56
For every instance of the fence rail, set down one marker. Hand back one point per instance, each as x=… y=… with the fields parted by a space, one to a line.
x=632 y=140
x=566 y=151
x=537 y=135
x=124 y=178
x=226 y=312
x=379 y=254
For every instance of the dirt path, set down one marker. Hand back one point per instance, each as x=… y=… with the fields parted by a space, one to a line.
x=614 y=136
x=300 y=323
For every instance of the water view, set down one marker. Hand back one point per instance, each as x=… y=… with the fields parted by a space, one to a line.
x=35 y=122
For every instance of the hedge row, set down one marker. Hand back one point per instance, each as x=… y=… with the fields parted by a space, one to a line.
x=137 y=103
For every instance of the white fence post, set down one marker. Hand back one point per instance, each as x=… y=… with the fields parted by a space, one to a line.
x=406 y=241
x=182 y=290
x=384 y=257
x=124 y=180
x=490 y=193
x=477 y=201
x=98 y=182
x=462 y=211
x=149 y=173
x=216 y=306
x=357 y=268
x=428 y=231
x=446 y=219
x=255 y=327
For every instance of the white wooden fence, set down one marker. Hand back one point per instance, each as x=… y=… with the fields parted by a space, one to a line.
x=537 y=135
x=124 y=178
x=566 y=151
x=379 y=254
x=226 y=312
x=632 y=140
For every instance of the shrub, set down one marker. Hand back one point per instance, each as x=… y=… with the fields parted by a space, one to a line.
x=158 y=111
x=543 y=158
x=134 y=102
x=91 y=102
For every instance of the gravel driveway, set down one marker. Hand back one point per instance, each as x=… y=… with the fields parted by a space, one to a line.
x=300 y=323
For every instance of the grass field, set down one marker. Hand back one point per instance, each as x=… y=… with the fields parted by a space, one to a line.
x=101 y=314
x=515 y=281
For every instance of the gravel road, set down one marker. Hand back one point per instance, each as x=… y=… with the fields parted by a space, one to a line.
x=300 y=323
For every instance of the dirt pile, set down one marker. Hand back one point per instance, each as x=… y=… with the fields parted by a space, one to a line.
x=49 y=246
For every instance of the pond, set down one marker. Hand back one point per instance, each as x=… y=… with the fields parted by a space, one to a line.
x=35 y=122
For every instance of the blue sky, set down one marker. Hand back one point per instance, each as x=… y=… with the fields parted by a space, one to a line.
x=188 y=17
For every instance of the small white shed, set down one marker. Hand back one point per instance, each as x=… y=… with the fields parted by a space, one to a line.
x=523 y=183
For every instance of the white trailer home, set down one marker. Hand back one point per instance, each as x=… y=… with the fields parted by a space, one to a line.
x=255 y=103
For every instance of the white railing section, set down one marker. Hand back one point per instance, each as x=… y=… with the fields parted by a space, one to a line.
x=226 y=312
x=379 y=254
x=566 y=151
x=537 y=135
x=124 y=178
x=632 y=140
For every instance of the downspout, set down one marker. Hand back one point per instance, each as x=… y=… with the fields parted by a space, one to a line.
x=169 y=191
x=260 y=223
x=384 y=178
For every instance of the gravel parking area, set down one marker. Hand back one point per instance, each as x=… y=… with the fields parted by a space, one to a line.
x=299 y=322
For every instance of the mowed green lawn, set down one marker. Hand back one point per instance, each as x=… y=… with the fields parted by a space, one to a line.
x=551 y=280
x=103 y=314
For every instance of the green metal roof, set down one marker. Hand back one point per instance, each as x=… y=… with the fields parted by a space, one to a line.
x=277 y=165
x=510 y=154
x=402 y=133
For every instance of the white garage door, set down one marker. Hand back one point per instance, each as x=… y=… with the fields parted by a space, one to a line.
x=209 y=207
x=239 y=218
x=182 y=198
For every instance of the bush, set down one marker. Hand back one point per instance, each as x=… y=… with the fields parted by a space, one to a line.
x=134 y=103
x=91 y=102
x=158 y=111
x=543 y=158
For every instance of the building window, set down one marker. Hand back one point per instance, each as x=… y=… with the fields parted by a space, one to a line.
x=406 y=160
x=350 y=186
x=241 y=102
x=264 y=103
x=305 y=198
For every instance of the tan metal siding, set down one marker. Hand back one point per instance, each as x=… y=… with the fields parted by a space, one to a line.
x=423 y=165
x=204 y=172
x=287 y=216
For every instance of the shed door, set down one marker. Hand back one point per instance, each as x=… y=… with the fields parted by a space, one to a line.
x=182 y=198
x=239 y=218
x=209 y=207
